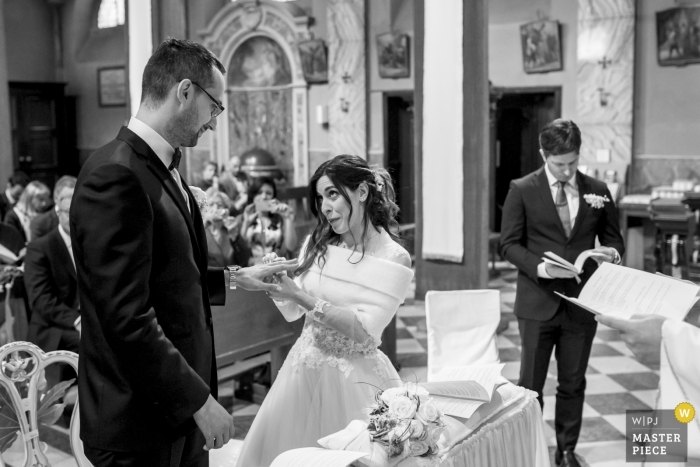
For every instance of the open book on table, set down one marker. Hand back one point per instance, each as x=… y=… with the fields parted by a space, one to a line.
x=316 y=457
x=622 y=292
x=577 y=267
x=460 y=391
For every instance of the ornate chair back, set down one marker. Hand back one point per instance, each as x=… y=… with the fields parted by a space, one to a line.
x=23 y=390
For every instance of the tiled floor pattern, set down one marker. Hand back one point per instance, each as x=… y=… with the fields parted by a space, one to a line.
x=616 y=381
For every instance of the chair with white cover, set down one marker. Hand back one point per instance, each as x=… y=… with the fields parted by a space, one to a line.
x=461 y=328
x=26 y=402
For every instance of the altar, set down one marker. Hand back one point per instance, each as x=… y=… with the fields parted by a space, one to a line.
x=510 y=434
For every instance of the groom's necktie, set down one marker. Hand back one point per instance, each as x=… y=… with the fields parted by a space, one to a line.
x=176 y=175
x=563 y=208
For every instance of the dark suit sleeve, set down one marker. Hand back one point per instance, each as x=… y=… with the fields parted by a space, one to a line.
x=216 y=283
x=513 y=234
x=12 y=220
x=609 y=227
x=43 y=292
x=113 y=229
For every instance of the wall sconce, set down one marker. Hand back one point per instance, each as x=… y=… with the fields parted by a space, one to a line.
x=603 y=97
x=322 y=115
x=344 y=105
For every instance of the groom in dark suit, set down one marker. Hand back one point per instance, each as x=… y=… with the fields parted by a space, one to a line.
x=147 y=379
x=548 y=210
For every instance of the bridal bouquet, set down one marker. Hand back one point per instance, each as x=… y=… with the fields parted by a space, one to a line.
x=403 y=422
x=406 y=422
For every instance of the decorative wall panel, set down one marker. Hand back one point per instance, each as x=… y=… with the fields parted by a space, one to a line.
x=605 y=78
x=347 y=115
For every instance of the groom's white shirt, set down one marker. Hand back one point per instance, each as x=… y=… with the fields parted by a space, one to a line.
x=162 y=148
x=680 y=375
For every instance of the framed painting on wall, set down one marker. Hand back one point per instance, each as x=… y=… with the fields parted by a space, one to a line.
x=111 y=86
x=314 y=60
x=393 y=55
x=677 y=36
x=541 y=46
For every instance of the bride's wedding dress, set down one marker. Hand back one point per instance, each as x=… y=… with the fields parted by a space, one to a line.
x=329 y=378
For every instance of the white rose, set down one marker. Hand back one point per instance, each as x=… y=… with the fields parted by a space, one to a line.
x=391 y=394
x=415 y=390
x=428 y=412
x=200 y=197
x=417 y=429
x=418 y=448
x=402 y=408
x=400 y=431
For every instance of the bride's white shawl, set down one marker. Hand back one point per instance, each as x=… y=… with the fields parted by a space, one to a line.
x=372 y=287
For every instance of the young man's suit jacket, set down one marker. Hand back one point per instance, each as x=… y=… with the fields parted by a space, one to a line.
x=147 y=348
x=531 y=226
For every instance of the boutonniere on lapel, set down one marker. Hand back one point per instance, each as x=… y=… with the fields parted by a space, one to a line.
x=596 y=201
x=200 y=197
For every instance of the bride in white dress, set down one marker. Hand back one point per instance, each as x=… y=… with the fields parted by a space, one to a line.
x=352 y=277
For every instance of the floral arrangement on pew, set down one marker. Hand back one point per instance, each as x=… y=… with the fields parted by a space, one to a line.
x=403 y=422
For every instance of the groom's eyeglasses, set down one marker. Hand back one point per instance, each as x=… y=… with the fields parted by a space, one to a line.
x=219 y=107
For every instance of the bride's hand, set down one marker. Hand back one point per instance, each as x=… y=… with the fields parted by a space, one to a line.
x=287 y=288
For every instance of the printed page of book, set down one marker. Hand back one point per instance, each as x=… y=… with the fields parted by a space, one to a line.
x=622 y=292
x=488 y=376
x=457 y=407
x=468 y=390
x=316 y=457
x=7 y=256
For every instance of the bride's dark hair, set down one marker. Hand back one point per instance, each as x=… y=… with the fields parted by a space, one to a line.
x=347 y=172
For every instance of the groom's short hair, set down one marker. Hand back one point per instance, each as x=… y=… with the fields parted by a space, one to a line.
x=560 y=137
x=173 y=61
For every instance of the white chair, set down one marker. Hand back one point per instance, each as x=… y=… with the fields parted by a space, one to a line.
x=461 y=328
x=22 y=366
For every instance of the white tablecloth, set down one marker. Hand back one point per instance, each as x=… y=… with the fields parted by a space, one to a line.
x=512 y=435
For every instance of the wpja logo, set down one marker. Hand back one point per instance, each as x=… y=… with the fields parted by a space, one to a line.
x=660 y=436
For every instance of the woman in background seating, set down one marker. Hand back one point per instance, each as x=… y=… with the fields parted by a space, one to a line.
x=268 y=225
x=35 y=199
x=224 y=243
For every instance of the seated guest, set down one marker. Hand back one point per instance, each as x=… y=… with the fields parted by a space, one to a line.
x=208 y=176
x=15 y=186
x=227 y=180
x=268 y=225
x=47 y=221
x=52 y=287
x=35 y=199
x=224 y=243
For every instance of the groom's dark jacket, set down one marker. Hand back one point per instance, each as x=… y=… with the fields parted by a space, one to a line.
x=147 y=345
x=531 y=226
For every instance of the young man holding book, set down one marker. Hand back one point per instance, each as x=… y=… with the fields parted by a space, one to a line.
x=560 y=210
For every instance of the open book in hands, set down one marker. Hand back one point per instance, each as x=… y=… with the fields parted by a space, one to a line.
x=622 y=292
x=8 y=257
x=577 y=267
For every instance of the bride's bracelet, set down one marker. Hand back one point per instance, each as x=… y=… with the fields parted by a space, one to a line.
x=318 y=308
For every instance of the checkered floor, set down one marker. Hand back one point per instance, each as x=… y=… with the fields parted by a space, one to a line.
x=616 y=381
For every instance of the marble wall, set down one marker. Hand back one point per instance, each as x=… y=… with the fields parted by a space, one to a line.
x=605 y=79
x=347 y=119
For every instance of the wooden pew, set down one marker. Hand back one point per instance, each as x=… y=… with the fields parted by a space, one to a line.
x=250 y=324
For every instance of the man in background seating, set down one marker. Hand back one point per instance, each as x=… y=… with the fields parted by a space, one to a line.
x=15 y=186
x=47 y=221
x=51 y=282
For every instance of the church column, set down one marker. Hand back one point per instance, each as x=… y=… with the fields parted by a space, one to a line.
x=451 y=145
x=140 y=38
x=6 y=163
x=347 y=78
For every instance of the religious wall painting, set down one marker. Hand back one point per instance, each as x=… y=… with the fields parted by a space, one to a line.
x=541 y=46
x=259 y=62
x=314 y=60
x=393 y=55
x=678 y=36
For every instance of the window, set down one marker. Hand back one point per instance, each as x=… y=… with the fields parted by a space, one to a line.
x=110 y=14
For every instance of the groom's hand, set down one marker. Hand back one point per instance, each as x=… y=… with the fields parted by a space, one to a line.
x=252 y=278
x=559 y=273
x=215 y=423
